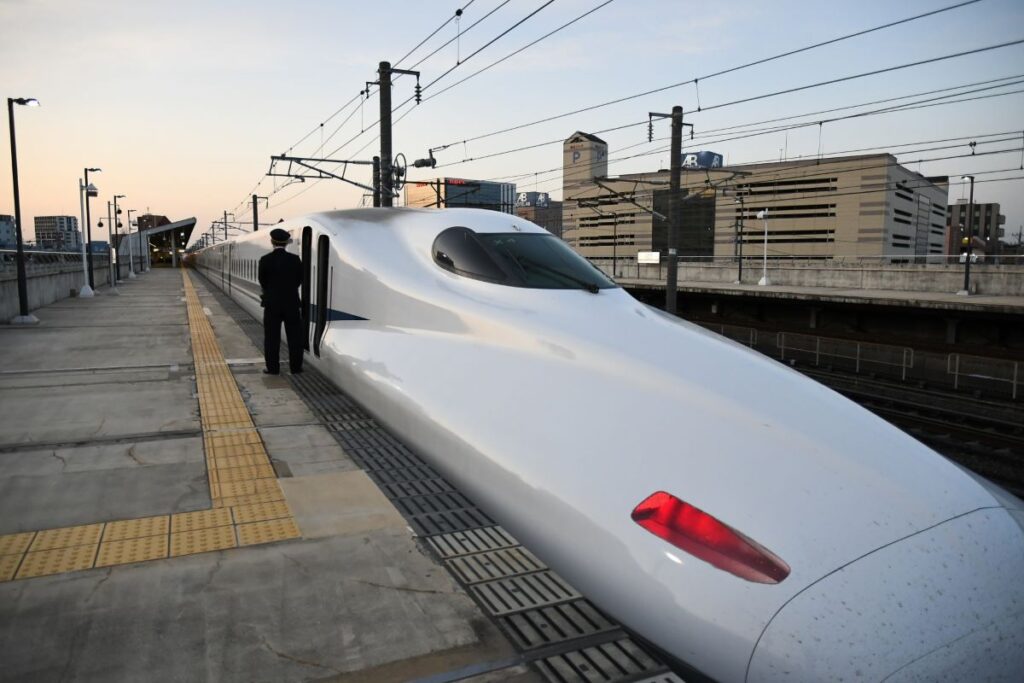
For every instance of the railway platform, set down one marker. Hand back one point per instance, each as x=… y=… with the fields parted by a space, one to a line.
x=168 y=512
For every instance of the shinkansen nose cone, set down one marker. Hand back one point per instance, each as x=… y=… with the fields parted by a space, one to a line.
x=944 y=604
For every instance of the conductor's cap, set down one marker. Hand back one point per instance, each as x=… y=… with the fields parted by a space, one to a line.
x=279 y=237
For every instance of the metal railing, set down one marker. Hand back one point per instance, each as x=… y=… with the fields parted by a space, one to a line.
x=44 y=262
x=865 y=356
x=976 y=372
x=993 y=377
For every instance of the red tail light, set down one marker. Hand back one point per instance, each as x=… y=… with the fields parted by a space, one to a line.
x=701 y=535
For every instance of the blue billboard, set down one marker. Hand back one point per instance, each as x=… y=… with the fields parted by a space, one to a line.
x=702 y=160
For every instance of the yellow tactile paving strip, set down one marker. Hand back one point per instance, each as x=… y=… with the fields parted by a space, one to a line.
x=248 y=504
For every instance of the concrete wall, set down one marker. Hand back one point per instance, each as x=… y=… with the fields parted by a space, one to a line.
x=46 y=282
x=991 y=279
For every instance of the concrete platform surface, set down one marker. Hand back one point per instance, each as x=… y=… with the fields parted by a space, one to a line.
x=100 y=422
x=936 y=300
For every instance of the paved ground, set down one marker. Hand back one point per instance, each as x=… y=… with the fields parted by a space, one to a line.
x=99 y=421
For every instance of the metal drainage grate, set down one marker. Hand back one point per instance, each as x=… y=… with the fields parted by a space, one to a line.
x=620 y=660
x=517 y=593
x=561 y=633
x=544 y=626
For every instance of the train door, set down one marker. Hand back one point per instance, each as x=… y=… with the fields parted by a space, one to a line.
x=321 y=298
x=307 y=270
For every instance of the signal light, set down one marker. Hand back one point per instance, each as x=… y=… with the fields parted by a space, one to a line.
x=706 y=538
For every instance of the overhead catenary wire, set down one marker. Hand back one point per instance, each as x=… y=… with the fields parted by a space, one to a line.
x=790 y=52
x=773 y=129
x=433 y=82
x=751 y=133
x=436 y=31
x=525 y=47
x=349 y=102
x=714 y=74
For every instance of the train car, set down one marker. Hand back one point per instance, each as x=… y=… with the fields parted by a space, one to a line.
x=748 y=521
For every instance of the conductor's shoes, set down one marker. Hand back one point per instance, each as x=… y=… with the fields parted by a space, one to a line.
x=268 y=372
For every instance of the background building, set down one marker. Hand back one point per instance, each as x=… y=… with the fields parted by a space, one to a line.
x=858 y=206
x=8 y=238
x=461 y=193
x=987 y=228
x=161 y=244
x=58 y=232
x=539 y=208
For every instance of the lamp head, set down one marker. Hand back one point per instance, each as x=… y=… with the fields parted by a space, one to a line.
x=27 y=101
x=94 y=170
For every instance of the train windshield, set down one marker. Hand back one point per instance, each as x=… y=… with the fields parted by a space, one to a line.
x=531 y=260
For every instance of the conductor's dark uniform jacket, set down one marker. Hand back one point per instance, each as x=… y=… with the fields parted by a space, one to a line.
x=280 y=276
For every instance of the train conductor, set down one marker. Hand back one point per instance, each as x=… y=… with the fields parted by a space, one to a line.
x=280 y=276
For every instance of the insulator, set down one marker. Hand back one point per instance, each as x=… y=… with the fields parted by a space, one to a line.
x=650 y=130
x=419 y=93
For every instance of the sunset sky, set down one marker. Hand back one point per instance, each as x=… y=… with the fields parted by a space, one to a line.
x=183 y=103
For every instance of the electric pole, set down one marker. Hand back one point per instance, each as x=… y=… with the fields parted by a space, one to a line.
x=256 y=211
x=384 y=74
x=387 y=171
x=674 y=214
x=376 y=181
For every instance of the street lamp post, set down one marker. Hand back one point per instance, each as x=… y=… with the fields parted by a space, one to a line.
x=117 y=234
x=131 y=255
x=970 y=239
x=23 y=317
x=739 y=242
x=763 y=215
x=88 y=226
x=110 y=254
x=85 y=291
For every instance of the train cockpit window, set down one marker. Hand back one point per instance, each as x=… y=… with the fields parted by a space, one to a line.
x=458 y=250
x=531 y=260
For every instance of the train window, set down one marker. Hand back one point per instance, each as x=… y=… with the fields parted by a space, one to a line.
x=458 y=250
x=532 y=260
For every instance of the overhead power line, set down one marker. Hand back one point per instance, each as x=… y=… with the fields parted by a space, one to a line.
x=712 y=75
x=450 y=19
x=744 y=134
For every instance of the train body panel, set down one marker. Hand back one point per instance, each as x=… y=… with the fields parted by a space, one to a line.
x=560 y=410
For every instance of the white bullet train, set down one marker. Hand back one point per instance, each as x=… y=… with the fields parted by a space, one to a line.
x=748 y=521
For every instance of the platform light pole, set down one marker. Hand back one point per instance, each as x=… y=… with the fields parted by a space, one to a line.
x=84 y=190
x=23 y=317
x=88 y=225
x=739 y=241
x=763 y=215
x=966 y=291
x=117 y=233
x=110 y=253
x=131 y=255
